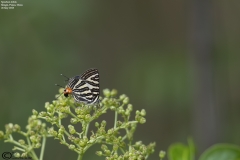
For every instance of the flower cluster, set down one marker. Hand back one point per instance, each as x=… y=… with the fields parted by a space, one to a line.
x=115 y=144
x=36 y=131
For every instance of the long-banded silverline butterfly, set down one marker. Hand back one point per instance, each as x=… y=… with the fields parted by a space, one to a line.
x=83 y=88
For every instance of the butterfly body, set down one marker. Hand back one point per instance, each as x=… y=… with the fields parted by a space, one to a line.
x=84 y=88
x=67 y=91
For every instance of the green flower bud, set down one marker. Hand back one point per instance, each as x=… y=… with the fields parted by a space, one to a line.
x=142 y=120
x=106 y=92
x=33 y=138
x=107 y=152
x=1 y=135
x=143 y=112
x=62 y=115
x=16 y=128
x=16 y=154
x=71 y=146
x=121 y=110
x=62 y=127
x=110 y=131
x=10 y=125
x=96 y=124
x=55 y=119
x=43 y=125
x=52 y=132
x=34 y=117
x=51 y=106
x=71 y=129
x=61 y=90
x=42 y=114
x=67 y=109
x=130 y=107
x=21 y=141
x=125 y=100
x=123 y=96
x=127 y=113
x=162 y=154
x=46 y=105
x=54 y=102
x=60 y=135
x=99 y=153
x=60 y=131
x=105 y=101
x=115 y=147
x=76 y=140
x=35 y=112
x=85 y=139
x=82 y=143
x=37 y=145
x=48 y=119
x=62 y=109
x=119 y=123
x=138 y=143
x=9 y=128
x=104 y=147
x=24 y=154
x=115 y=156
x=87 y=117
x=112 y=107
x=110 y=101
x=140 y=157
x=49 y=109
x=103 y=123
x=81 y=116
x=78 y=110
x=70 y=126
x=138 y=112
x=113 y=92
x=73 y=120
x=31 y=133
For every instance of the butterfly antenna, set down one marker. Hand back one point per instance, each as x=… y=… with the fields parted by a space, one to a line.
x=59 y=95
x=65 y=77
x=59 y=85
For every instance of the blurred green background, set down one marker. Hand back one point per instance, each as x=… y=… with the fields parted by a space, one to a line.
x=177 y=59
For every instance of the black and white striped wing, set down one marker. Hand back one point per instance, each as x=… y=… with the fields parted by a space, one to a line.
x=91 y=77
x=85 y=88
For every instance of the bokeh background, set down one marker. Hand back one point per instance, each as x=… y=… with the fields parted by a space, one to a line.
x=177 y=59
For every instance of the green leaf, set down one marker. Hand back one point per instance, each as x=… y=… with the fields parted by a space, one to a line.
x=221 y=152
x=178 y=151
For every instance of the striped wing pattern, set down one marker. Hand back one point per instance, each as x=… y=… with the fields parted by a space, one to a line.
x=85 y=88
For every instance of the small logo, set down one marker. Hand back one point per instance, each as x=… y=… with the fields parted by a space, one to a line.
x=7 y=155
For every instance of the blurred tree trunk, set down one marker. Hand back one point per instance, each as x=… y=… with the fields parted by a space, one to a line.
x=201 y=54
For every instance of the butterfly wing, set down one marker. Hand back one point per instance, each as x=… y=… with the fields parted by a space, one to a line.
x=91 y=78
x=85 y=87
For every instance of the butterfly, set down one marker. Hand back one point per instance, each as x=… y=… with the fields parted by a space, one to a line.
x=84 y=88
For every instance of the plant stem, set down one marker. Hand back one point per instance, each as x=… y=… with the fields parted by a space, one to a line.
x=32 y=151
x=80 y=156
x=115 y=120
x=59 y=124
x=86 y=131
x=43 y=147
x=34 y=155
x=16 y=143
x=18 y=148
